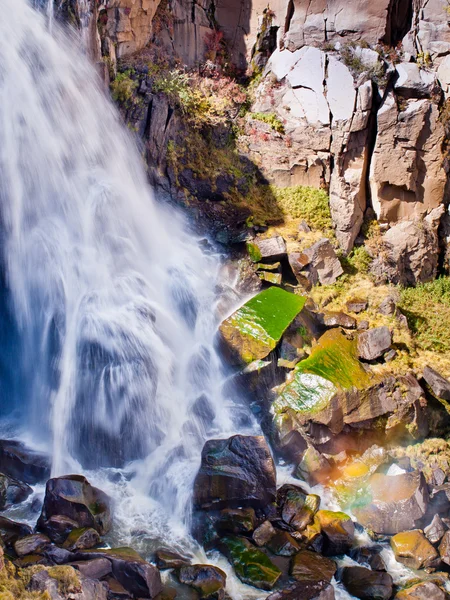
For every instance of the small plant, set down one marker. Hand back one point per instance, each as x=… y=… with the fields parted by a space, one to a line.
x=306 y=203
x=424 y=60
x=123 y=86
x=359 y=260
x=214 y=44
x=271 y=119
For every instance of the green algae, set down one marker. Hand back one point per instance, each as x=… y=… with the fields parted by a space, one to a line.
x=251 y=565
x=254 y=252
x=255 y=329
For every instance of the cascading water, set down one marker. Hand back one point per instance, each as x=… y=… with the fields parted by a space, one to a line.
x=112 y=302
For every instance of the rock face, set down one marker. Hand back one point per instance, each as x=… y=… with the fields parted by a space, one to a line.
x=22 y=463
x=236 y=472
x=72 y=496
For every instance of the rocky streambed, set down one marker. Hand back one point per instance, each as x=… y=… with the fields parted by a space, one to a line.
x=366 y=510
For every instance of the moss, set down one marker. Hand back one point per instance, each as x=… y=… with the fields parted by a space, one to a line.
x=254 y=252
x=427 y=308
x=358 y=261
x=123 y=87
x=308 y=203
x=271 y=119
x=14 y=582
x=252 y=566
x=67 y=578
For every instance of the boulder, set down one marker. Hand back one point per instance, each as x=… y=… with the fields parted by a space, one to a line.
x=366 y=584
x=167 y=559
x=82 y=538
x=414 y=82
x=31 y=544
x=374 y=343
x=235 y=472
x=357 y=305
x=74 y=497
x=58 y=527
x=251 y=565
x=269 y=249
x=444 y=548
x=263 y=534
x=10 y=531
x=136 y=575
x=435 y=530
x=438 y=384
x=318 y=264
x=283 y=544
x=310 y=566
x=20 y=462
x=338 y=530
x=207 y=580
x=236 y=521
x=98 y=568
x=255 y=329
x=305 y=590
x=297 y=508
x=396 y=503
x=414 y=550
x=338 y=319
x=425 y=590
x=12 y=491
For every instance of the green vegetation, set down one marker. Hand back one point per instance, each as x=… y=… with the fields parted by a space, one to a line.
x=308 y=203
x=427 y=308
x=358 y=261
x=178 y=87
x=123 y=87
x=252 y=566
x=271 y=119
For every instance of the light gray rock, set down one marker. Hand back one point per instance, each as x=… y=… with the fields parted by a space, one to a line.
x=273 y=248
x=414 y=82
x=435 y=530
x=374 y=343
x=341 y=93
x=324 y=266
x=438 y=384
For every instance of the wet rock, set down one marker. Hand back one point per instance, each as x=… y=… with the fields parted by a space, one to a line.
x=12 y=491
x=236 y=472
x=283 y=544
x=338 y=319
x=338 y=530
x=398 y=502
x=74 y=497
x=425 y=590
x=366 y=584
x=444 y=548
x=374 y=343
x=58 y=527
x=167 y=559
x=357 y=306
x=136 y=575
x=168 y=593
x=59 y=556
x=305 y=590
x=255 y=329
x=314 y=468
x=82 y=539
x=438 y=384
x=236 y=520
x=297 y=507
x=10 y=531
x=370 y=556
x=435 y=530
x=22 y=463
x=273 y=278
x=263 y=534
x=93 y=569
x=116 y=590
x=251 y=565
x=414 y=550
x=310 y=566
x=269 y=249
x=31 y=544
x=207 y=580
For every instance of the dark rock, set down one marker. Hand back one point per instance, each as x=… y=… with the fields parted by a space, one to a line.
x=338 y=530
x=366 y=584
x=207 y=580
x=167 y=559
x=374 y=343
x=74 y=497
x=59 y=556
x=12 y=491
x=22 y=463
x=116 y=591
x=305 y=590
x=283 y=544
x=251 y=565
x=263 y=534
x=357 y=306
x=236 y=472
x=10 y=531
x=136 y=575
x=338 y=319
x=82 y=539
x=236 y=520
x=168 y=593
x=370 y=556
x=425 y=590
x=439 y=386
x=297 y=507
x=414 y=550
x=58 y=528
x=31 y=560
x=31 y=544
x=397 y=503
x=93 y=569
x=435 y=530
x=310 y=566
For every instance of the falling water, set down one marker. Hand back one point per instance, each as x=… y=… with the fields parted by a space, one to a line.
x=112 y=301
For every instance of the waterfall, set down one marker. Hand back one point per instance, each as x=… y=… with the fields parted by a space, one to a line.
x=112 y=300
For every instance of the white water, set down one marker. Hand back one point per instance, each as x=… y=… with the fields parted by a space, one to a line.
x=113 y=301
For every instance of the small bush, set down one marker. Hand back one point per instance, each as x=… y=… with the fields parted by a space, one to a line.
x=271 y=119
x=123 y=86
x=306 y=203
x=359 y=259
